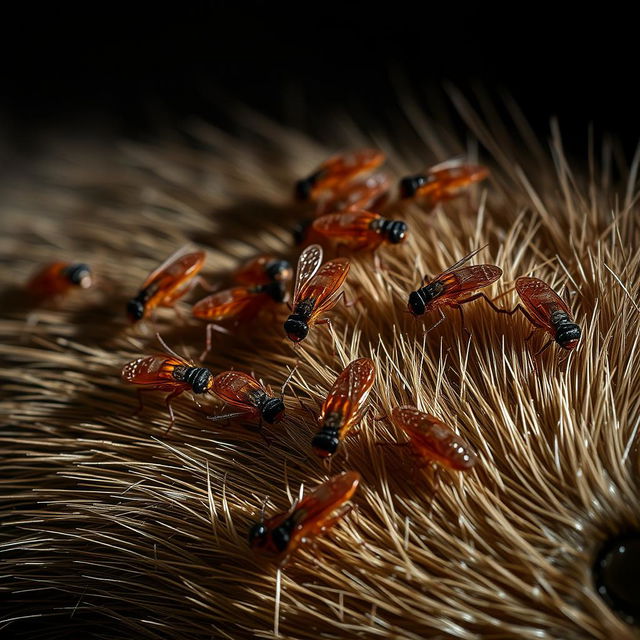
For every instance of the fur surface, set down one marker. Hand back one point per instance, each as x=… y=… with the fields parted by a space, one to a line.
x=112 y=530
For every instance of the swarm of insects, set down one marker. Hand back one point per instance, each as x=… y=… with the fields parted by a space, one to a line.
x=116 y=529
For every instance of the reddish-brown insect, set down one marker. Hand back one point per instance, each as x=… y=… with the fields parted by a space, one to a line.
x=248 y=395
x=359 y=230
x=58 y=277
x=433 y=440
x=546 y=310
x=336 y=172
x=453 y=288
x=442 y=182
x=344 y=406
x=167 y=284
x=263 y=270
x=167 y=372
x=370 y=193
x=316 y=513
x=316 y=291
x=235 y=305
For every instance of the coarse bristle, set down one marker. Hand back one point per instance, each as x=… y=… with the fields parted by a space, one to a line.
x=113 y=530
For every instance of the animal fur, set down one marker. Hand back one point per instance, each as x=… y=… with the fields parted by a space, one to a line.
x=113 y=530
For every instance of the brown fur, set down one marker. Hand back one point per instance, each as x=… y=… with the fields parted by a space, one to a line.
x=113 y=530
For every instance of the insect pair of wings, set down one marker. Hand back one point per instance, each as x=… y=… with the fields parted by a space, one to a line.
x=315 y=513
x=156 y=371
x=540 y=300
x=461 y=281
x=319 y=282
x=350 y=392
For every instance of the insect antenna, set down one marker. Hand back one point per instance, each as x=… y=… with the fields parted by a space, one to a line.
x=465 y=259
x=168 y=349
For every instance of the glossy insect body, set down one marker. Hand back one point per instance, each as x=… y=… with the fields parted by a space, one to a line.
x=433 y=440
x=58 y=277
x=336 y=172
x=442 y=182
x=453 y=288
x=248 y=395
x=236 y=305
x=316 y=291
x=263 y=270
x=360 y=230
x=546 y=310
x=344 y=406
x=167 y=284
x=162 y=372
x=318 y=511
x=370 y=193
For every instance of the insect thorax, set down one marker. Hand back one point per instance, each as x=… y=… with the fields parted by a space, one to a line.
x=304 y=309
x=432 y=291
x=419 y=300
x=257 y=397
x=567 y=332
x=198 y=378
x=393 y=230
x=281 y=535
x=332 y=422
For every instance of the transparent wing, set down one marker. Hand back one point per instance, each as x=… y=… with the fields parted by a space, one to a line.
x=308 y=263
x=174 y=257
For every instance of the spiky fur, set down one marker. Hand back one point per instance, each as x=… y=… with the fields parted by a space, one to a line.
x=113 y=530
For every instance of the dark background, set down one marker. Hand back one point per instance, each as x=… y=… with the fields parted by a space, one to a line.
x=133 y=68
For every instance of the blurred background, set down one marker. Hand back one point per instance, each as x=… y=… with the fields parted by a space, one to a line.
x=131 y=69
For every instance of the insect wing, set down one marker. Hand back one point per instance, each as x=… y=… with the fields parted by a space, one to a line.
x=236 y=387
x=351 y=389
x=308 y=264
x=229 y=303
x=254 y=271
x=352 y=224
x=345 y=167
x=369 y=193
x=324 y=286
x=315 y=510
x=182 y=262
x=434 y=438
x=468 y=279
x=540 y=299
x=151 y=370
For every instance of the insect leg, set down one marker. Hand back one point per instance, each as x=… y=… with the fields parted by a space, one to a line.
x=228 y=416
x=382 y=443
x=168 y=399
x=462 y=324
x=492 y=304
x=544 y=348
x=209 y=331
x=442 y=319
x=140 y=401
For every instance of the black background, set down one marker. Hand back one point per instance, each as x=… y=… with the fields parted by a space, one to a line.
x=140 y=66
